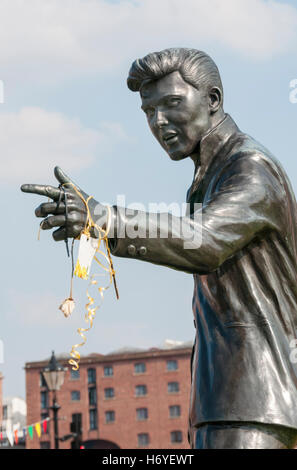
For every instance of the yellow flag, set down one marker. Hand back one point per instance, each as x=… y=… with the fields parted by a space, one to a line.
x=38 y=429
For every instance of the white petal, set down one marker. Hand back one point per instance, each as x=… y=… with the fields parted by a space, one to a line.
x=67 y=306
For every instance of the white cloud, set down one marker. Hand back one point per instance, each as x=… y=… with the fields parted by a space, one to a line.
x=33 y=141
x=55 y=38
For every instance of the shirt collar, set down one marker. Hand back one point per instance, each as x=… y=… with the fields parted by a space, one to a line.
x=210 y=146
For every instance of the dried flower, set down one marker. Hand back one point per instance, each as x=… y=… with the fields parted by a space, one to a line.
x=67 y=306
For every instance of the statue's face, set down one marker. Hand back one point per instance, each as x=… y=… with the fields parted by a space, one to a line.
x=178 y=114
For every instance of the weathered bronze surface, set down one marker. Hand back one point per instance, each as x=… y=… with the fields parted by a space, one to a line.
x=244 y=384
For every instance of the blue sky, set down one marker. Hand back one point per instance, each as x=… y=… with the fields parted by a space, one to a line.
x=64 y=66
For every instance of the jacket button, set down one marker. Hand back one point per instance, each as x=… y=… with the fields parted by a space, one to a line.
x=142 y=250
x=131 y=250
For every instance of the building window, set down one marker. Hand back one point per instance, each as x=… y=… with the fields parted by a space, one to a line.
x=45 y=445
x=76 y=423
x=4 y=412
x=108 y=393
x=93 y=418
x=172 y=365
x=43 y=416
x=74 y=374
x=140 y=390
x=43 y=400
x=108 y=371
x=174 y=411
x=109 y=416
x=173 y=387
x=143 y=439
x=42 y=382
x=176 y=436
x=92 y=396
x=91 y=376
x=75 y=395
x=142 y=414
x=140 y=368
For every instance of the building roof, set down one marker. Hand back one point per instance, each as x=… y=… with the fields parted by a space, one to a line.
x=168 y=348
x=168 y=344
x=172 y=344
x=125 y=350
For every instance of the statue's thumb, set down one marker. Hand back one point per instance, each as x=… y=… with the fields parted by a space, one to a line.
x=64 y=179
x=61 y=176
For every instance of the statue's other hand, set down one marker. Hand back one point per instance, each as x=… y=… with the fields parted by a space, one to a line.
x=70 y=226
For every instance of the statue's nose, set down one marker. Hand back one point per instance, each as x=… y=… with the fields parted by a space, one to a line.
x=160 y=119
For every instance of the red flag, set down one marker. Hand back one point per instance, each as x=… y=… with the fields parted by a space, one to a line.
x=16 y=439
x=44 y=426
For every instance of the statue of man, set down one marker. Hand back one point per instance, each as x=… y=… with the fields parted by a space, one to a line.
x=244 y=385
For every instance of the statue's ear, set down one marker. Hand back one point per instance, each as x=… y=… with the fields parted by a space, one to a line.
x=215 y=99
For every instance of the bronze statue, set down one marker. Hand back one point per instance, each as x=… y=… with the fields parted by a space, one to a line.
x=244 y=385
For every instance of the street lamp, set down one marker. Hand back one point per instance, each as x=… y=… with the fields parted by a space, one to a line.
x=54 y=374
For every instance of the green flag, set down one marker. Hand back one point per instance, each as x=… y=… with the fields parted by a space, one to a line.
x=30 y=431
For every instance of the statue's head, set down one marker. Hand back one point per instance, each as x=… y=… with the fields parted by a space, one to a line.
x=182 y=96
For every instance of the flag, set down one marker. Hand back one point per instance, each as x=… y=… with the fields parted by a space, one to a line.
x=38 y=429
x=30 y=431
x=44 y=426
x=9 y=436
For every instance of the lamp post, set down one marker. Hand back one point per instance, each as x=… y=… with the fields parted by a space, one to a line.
x=54 y=374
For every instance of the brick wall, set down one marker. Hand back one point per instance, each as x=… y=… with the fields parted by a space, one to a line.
x=124 y=430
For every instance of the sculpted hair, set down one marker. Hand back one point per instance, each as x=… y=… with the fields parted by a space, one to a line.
x=195 y=67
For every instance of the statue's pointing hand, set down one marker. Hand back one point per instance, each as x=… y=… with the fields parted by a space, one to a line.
x=54 y=213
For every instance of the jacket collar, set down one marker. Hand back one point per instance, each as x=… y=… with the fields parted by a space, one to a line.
x=211 y=145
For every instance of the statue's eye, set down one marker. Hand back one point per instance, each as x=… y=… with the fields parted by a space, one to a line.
x=172 y=102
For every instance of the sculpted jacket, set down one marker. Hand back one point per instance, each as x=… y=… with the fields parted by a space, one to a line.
x=245 y=279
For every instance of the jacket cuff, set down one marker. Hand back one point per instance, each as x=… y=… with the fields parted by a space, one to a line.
x=128 y=233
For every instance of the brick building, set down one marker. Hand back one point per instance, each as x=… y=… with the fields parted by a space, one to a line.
x=128 y=399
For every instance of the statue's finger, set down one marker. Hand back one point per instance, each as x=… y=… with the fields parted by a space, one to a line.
x=60 y=234
x=50 y=208
x=74 y=231
x=53 y=221
x=43 y=190
x=46 y=208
